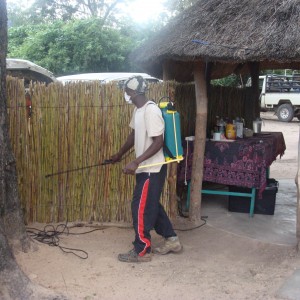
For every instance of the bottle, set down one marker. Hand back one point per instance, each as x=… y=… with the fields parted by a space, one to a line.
x=221 y=127
x=239 y=127
x=230 y=131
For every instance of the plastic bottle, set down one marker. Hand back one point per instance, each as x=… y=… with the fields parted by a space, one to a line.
x=230 y=131
x=239 y=127
x=222 y=126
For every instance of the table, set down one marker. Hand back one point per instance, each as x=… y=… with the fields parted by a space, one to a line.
x=243 y=162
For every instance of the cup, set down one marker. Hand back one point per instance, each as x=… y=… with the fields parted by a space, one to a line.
x=257 y=126
x=217 y=136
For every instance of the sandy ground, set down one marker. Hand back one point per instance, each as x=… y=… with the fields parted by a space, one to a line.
x=214 y=264
x=287 y=166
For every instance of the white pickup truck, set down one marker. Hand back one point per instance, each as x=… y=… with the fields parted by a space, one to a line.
x=281 y=94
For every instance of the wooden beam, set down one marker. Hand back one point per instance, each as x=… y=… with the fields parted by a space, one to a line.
x=172 y=168
x=200 y=140
x=252 y=107
x=208 y=72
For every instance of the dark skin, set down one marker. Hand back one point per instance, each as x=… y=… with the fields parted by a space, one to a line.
x=139 y=100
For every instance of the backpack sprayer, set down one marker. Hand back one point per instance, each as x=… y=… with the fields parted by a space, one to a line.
x=173 y=150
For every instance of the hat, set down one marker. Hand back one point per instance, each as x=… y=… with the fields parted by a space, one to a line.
x=136 y=83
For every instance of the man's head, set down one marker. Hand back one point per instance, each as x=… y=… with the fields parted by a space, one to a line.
x=135 y=86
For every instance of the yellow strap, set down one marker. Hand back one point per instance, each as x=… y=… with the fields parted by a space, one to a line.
x=162 y=163
x=175 y=136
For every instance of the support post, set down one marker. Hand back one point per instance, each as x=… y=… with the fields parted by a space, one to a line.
x=200 y=140
x=172 y=171
x=252 y=107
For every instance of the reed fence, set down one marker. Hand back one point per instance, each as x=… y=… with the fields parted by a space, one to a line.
x=80 y=125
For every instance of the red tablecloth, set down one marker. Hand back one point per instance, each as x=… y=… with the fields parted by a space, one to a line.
x=243 y=162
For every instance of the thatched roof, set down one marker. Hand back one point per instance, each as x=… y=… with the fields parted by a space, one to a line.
x=236 y=32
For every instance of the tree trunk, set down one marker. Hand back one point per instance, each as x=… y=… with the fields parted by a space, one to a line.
x=11 y=220
x=199 y=144
x=14 y=284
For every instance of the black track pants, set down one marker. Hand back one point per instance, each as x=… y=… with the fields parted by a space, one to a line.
x=147 y=212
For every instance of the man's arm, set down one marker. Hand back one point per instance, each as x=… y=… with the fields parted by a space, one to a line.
x=157 y=144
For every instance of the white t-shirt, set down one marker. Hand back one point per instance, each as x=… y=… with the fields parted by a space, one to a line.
x=147 y=122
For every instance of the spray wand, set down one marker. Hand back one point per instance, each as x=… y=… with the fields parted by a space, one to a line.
x=106 y=162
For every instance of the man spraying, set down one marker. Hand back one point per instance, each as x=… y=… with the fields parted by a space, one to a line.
x=147 y=137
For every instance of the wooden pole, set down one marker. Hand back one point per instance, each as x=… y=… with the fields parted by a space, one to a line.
x=297 y=180
x=252 y=108
x=172 y=174
x=199 y=144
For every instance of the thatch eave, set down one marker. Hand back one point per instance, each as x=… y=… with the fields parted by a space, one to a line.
x=233 y=32
x=183 y=69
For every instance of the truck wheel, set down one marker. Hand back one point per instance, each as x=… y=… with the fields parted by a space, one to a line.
x=285 y=112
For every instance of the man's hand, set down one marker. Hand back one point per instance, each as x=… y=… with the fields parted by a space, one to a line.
x=115 y=158
x=130 y=168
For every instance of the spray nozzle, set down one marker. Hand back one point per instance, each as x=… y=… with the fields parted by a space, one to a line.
x=167 y=104
x=171 y=106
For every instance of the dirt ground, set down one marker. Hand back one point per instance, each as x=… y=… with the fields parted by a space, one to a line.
x=214 y=264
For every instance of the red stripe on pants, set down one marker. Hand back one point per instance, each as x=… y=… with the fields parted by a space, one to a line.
x=141 y=211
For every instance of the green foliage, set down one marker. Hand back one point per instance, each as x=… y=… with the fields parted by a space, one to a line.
x=64 y=37
x=231 y=80
x=16 y=16
x=73 y=47
x=48 y=11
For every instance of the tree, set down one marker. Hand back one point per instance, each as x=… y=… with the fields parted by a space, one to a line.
x=81 y=44
x=17 y=17
x=14 y=284
x=48 y=10
x=77 y=46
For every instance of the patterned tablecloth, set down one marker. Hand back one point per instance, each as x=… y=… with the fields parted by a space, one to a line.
x=243 y=162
